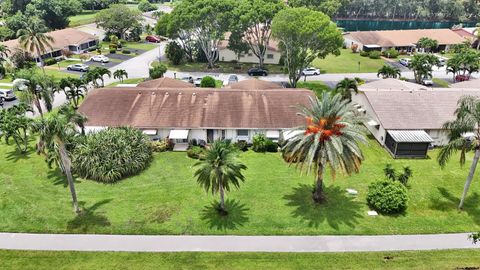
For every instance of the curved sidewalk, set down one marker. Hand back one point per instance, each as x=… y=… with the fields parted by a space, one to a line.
x=147 y=243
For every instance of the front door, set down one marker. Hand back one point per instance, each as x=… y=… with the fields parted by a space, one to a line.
x=209 y=135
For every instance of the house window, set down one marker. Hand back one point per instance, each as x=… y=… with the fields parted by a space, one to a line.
x=242 y=132
x=269 y=56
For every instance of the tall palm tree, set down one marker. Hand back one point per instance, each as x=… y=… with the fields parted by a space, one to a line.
x=35 y=88
x=388 y=71
x=55 y=131
x=345 y=88
x=73 y=116
x=33 y=38
x=74 y=90
x=220 y=169
x=120 y=74
x=464 y=136
x=329 y=139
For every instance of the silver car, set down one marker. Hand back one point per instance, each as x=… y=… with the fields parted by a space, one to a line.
x=78 y=67
x=7 y=94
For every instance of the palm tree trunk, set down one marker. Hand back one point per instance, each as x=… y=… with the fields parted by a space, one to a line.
x=476 y=157
x=40 y=58
x=39 y=106
x=319 y=194
x=66 y=165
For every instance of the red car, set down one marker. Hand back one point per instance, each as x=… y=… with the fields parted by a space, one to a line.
x=153 y=39
x=461 y=78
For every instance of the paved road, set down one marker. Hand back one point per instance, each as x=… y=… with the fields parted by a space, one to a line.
x=143 y=243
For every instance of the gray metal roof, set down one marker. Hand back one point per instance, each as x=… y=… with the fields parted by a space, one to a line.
x=410 y=136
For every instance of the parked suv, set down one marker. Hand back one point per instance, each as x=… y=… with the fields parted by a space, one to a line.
x=7 y=94
x=153 y=39
x=78 y=67
x=257 y=72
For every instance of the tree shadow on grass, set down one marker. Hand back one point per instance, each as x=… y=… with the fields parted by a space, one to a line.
x=15 y=155
x=340 y=209
x=59 y=178
x=448 y=201
x=89 y=218
x=237 y=215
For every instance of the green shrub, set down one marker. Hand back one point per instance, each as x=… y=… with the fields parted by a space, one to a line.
x=263 y=144
x=161 y=146
x=391 y=53
x=196 y=152
x=174 y=52
x=50 y=61
x=112 y=154
x=364 y=53
x=387 y=197
x=271 y=146
x=113 y=51
x=207 y=82
x=241 y=145
x=157 y=71
x=125 y=51
x=145 y=6
x=374 y=55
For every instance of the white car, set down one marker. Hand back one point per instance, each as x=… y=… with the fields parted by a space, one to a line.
x=232 y=78
x=197 y=81
x=427 y=81
x=100 y=58
x=7 y=94
x=405 y=61
x=310 y=71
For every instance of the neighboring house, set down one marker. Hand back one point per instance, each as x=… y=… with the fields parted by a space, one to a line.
x=272 y=54
x=405 y=117
x=203 y=114
x=71 y=39
x=401 y=40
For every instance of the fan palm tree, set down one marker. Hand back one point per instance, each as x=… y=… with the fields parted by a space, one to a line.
x=220 y=169
x=388 y=71
x=55 y=131
x=120 y=74
x=35 y=88
x=74 y=90
x=464 y=136
x=329 y=139
x=33 y=38
x=345 y=88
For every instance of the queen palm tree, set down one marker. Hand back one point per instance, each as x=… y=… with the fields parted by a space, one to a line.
x=388 y=71
x=35 y=88
x=74 y=90
x=329 y=139
x=220 y=169
x=55 y=131
x=464 y=136
x=120 y=74
x=33 y=38
x=345 y=88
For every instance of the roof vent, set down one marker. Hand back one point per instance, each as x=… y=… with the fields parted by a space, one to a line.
x=166 y=94
x=194 y=94
x=153 y=93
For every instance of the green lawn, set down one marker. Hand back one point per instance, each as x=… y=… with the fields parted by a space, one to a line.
x=132 y=46
x=128 y=81
x=447 y=259
x=275 y=199
x=86 y=17
x=316 y=86
x=347 y=62
x=441 y=83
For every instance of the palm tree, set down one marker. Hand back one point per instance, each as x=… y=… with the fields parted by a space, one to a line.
x=92 y=76
x=476 y=32
x=74 y=90
x=4 y=51
x=55 y=131
x=345 y=88
x=220 y=169
x=119 y=74
x=15 y=124
x=73 y=116
x=102 y=72
x=464 y=136
x=35 y=88
x=388 y=71
x=329 y=139
x=33 y=38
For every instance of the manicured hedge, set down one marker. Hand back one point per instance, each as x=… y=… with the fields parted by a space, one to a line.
x=387 y=197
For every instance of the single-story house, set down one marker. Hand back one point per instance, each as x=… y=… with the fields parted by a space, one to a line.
x=406 y=118
x=401 y=40
x=272 y=54
x=203 y=114
x=71 y=39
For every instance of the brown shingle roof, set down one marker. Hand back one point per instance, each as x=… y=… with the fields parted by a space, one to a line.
x=467 y=84
x=194 y=108
x=254 y=84
x=165 y=83
x=62 y=38
x=392 y=84
x=422 y=109
x=392 y=38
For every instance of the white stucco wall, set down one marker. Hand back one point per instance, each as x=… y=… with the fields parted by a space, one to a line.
x=226 y=55
x=378 y=133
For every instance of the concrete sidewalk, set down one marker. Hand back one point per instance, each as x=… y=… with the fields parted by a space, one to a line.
x=144 y=243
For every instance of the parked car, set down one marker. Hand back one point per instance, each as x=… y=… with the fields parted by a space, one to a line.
x=405 y=61
x=153 y=39
x=188 y=79
x=197 y=81
x=309 y=71
x=232 y=78
x=461 y=78
x=7 y=94
x=100 y=58
x=427 y=81
x=257 y=72
x=78 y=67
x=442 y=61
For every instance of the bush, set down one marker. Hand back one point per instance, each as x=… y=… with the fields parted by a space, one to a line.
x=161 y=146
x=391 y=53
x=364 y=53
x=157 y=71
x=374 y=55
x=112 y=154
x=50 y=61
x=196 y=152
x=125 y=51
x=271 y=146
x=207 y=81
x=174 y=52
x=242 y=146
x=263 y=144
x=145 y=6
x=387 y=197
x=113 y=51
